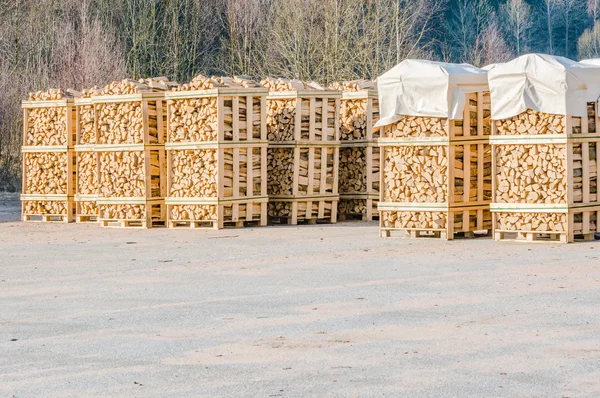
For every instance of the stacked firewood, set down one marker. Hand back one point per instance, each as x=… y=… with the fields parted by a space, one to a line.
x=194 y=212
x=49 y=95
x=196 y=119
x=123 y=174
x=531 y=174
x=532 y=123
x=413 y=126
x=194 y=174
x=87 y=177
x=416 y=174
x=46 y=173
x=524 y=222
x=122 y=211
x=414 y=219
x=48 y=207
x=87 y=116
x=353 y=170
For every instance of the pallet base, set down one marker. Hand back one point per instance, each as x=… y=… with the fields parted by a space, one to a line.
x=86 y=219
x=47 y=218
x=140 y=224
x=214 y=224
x=309 y=221
x=542 y=237
x=358 y=217
x=434 y=234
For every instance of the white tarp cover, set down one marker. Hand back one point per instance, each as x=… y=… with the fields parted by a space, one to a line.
x=428 y=89
x=544 y=83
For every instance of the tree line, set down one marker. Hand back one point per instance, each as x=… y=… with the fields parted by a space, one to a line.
x=82 y=43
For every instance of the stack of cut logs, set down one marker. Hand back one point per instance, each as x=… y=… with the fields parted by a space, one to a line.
x=131 y=116
x=359 y=154
x=440 y=188
x=86 y=159
x=545 y=188
x=216 y=153
x=48 y=173
x=303 y=155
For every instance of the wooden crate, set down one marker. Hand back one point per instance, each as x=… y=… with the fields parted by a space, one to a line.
x=300 y=176
x=130 y=119
x=217 y=170
x=359 y=156
x=303 y=156
x=546 y=171
x=130 y=137
x=48 y=162
x=134 y=176
x=427 y=165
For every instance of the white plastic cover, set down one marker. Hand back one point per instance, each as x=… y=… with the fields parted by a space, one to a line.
x=428 y=89
x=544 y=83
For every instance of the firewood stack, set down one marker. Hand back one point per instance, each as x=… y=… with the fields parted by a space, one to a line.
x=216 y=153
x=359 y=155
x=303 y=155
x=542 y=184
x=443 y=187
x=131 y=119
x=86 y=159
x=545 y=144
x=48 y=172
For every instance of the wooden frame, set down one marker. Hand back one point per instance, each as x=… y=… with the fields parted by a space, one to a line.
x=316 y=131
x=241 y=199
x=37 y=198
x=367 y=200
x=467 y=138
x=577 y=212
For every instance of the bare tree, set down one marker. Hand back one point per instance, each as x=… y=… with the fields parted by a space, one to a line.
x=589 y=42
x=550 y=10
x=573 y=12
x=516 y=16
x=593 y=10
x=468 y=20
x=491 y=46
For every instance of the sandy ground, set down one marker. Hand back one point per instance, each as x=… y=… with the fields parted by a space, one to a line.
x=323 y=311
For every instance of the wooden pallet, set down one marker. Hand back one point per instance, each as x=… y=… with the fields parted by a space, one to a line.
x=213 y=224
x=563 y=206
x=42 y=208
x=217 y=178
x=558 y=223
x=434 y=234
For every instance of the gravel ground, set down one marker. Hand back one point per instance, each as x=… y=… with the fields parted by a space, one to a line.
x=316 y=311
